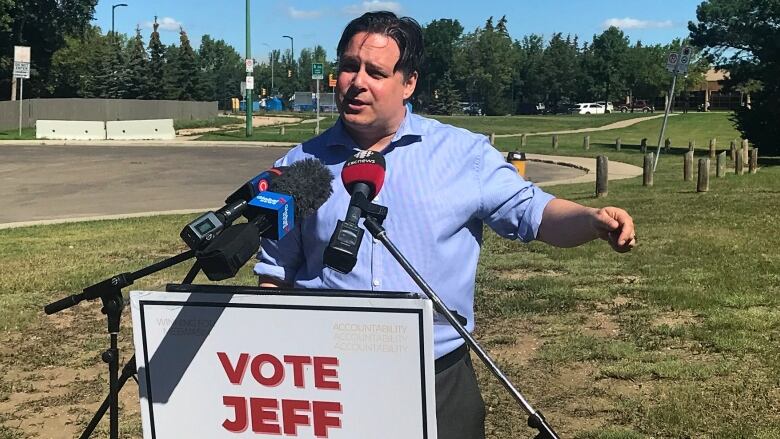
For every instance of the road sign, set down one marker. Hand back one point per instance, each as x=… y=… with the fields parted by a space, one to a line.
x=21 y=70
x=332 y=82
x=250 y=65
x=316 y=71
x=671 y=61
x=22 y=54
x=250 y=82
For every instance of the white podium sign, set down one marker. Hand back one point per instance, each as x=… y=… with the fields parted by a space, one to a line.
x=216 y=365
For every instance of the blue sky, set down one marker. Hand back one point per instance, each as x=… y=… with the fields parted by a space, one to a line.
x=321 y=22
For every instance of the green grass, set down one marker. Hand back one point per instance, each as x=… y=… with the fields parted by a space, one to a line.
x=27 y=134
x=534 y=124
x=679 y=338
x=294 y=133
x=216 y=122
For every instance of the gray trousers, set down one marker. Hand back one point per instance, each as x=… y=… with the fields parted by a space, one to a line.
x=460 y=410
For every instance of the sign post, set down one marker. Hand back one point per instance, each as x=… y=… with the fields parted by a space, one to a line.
x=22 y=72
x=332 y=85
x=675 y=64
x=316 y=73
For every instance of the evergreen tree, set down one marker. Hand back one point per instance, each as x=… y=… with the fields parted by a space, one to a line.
x=156 y=80
x=137 y=68
x=186 y=70
x=445 y=97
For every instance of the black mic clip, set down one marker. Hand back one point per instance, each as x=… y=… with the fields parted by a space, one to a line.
x=368 y=209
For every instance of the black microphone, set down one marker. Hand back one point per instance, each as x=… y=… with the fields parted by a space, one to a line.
x=308 y=182
x=363 y=176
x=199 y=232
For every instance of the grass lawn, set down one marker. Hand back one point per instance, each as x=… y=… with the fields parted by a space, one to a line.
x=680 y=338
x=292 y=132
x=218 y=121
x=27 y=134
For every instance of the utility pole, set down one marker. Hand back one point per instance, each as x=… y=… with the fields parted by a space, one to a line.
x=249 y=81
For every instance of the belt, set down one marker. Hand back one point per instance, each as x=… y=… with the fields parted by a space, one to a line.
x=445 y=362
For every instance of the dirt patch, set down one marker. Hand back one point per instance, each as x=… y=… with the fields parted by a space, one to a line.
x=675 y=318
x=600 y=324
x=526 y=274
x=257 y=121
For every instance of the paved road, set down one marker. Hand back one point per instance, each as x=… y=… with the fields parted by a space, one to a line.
x=64 y=182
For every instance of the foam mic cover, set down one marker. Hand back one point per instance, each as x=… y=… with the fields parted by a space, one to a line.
x=229 y=251
x=308 y=181
x=367 y=167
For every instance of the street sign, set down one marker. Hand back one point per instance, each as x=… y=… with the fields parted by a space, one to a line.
x=21 y=70
x=671 y=61
x=250 y=82
x=332 y=82
x=316 y=71
x=250 y=65
x=22 y=54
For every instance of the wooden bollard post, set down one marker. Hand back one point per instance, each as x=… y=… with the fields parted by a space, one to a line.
x=643 y=145
x=602 y=175
x=523 y=141
x=691 y=145
x=316 y=131
x=555 y=141
x=667 y=144
x=720 y=165
x=617 y=144
x=745 y=148
x=647 y=170
x=753 y=165
x=281 y=130
x=713 y=143
x=586 y=143
x=703 y=183
x=493 y=139
x=739 y=165
x=688 y=166
x=733 y=150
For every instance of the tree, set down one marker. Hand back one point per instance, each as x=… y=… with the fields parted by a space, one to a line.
x=183 y=75
x=137 y=68
x=609 y=62
x=156 y=85
x=223 y=69
x=42 y=25
x=560 y=70
x=441 y=38
x=445 y=97
x=76 y=66
x=742 y=37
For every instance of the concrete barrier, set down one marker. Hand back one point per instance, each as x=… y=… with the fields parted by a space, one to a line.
x=152 y=129
x=70 y=130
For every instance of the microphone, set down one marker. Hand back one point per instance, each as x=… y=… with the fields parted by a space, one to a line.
x=295 y=193
x=363 y=176
x=203 y=229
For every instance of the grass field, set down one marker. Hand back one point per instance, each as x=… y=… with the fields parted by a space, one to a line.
x=678 y=339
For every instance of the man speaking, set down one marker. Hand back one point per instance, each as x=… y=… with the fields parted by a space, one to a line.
x=442 y=184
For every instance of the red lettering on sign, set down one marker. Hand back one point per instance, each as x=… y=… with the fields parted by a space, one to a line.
x=323 y=371
x=291 y=418
x=235 y=374
x=321 y=411
x=297 y=362
x=239 y=404
x=264 y=415
x=278 y=370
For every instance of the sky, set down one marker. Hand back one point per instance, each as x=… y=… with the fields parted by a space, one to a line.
x=320 y=22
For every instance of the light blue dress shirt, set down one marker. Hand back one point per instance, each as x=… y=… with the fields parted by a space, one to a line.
x=442 y=184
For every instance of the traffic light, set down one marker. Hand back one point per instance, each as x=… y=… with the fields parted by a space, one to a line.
x=330 y=77
x=436 y=94
x=263 y=92
x=289 y=73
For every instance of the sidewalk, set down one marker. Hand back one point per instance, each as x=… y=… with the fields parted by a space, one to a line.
x=612 y=126
x=617 y=170
x=179 y=141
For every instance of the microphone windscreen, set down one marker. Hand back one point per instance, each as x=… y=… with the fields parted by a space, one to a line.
x=364 y=167
x=309 y=182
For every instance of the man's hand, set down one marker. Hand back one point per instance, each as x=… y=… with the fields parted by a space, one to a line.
x=615 y=226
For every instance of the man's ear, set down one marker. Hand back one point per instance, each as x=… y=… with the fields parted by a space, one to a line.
x=410 y=85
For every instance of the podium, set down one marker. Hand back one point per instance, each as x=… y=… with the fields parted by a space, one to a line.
x=240 y=362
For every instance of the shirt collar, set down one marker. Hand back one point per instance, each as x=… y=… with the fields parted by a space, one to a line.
x=409 y=132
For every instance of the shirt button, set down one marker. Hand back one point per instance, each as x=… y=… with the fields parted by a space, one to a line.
x=376 y=282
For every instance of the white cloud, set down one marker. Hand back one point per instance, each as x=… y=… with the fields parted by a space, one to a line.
x=373 y=5
x=633 y=23
x=166 y=23
x=302 y=15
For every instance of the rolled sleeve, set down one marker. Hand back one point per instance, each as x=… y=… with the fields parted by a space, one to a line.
x=280 y=259
x=510 y=205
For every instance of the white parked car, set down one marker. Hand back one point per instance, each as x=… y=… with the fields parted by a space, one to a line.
x=589 y=108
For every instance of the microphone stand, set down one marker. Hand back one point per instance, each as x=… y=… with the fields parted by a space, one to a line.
x=374 y=215
x=109 y=291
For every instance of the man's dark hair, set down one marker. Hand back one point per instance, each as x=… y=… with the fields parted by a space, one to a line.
x=405 y=31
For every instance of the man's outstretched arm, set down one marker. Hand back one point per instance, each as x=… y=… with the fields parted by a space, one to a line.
x=568 y=224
